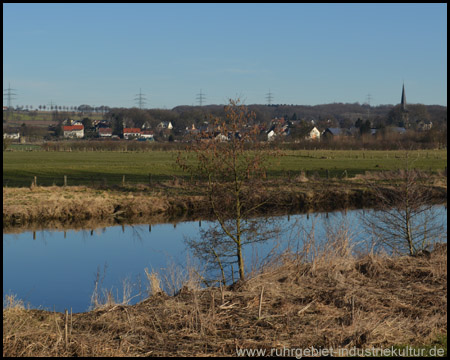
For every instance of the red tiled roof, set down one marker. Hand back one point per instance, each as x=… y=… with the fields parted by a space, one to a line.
x=131 y=130
x=73 y=127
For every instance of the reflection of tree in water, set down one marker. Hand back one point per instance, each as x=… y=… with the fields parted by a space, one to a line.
x=405 y=220
x=217 y=251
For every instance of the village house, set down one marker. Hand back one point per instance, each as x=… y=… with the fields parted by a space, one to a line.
x=165 y=125
x=11 y=135
x=147 y=135
x=313 y=134
x=424 y=125
x=131 y=133
x=104 y=132
x=221 y=138
x=146 y=125
x=278 y=127
x=336 y=132
x=189 y=129
x=271 y=135
x=73 y=131
x=101 y=124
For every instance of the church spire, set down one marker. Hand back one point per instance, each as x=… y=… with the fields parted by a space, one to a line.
x=403 y=102
x=404 y=111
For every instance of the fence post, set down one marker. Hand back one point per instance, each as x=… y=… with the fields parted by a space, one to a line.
x=123 y=180
x=65 y=180
x=328 y=174
x=35 y=181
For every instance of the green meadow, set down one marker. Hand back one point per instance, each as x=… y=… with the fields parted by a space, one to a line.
x=108 y=168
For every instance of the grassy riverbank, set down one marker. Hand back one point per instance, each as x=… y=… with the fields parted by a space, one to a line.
x=74 y=205
x=337 y=300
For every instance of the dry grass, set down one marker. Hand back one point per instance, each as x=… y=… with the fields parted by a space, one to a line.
x=80 y=204
x=23 y=206
x=321 y=296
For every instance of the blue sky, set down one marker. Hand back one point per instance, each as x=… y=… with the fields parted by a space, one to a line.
x=306 y=54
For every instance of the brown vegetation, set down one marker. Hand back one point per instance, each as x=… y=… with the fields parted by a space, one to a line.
x=334 y=300
x=75 y=205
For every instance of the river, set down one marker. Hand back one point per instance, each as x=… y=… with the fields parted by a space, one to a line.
x=57 y=270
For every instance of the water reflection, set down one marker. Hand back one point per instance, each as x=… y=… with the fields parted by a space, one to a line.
x=58 y=269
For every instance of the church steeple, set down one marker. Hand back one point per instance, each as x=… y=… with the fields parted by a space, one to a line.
x=404 y=110
x=403 y=101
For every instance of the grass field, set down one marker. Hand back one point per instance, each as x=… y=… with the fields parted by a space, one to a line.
x=86 y=168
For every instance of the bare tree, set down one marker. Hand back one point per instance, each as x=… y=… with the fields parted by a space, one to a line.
x=405 y=218
x=232 y=166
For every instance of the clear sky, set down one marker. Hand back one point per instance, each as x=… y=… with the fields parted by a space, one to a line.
x=305 y=54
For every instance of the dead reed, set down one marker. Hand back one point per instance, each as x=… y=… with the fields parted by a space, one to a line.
x=321 y=295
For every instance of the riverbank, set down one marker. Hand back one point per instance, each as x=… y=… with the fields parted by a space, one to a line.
x=37 y=207
x=337 y=301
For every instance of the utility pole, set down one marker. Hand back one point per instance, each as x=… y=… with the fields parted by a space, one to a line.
x=200 y=98
x=9 y=94
x=51 y=105
x=369 y=97
x=269 y=98
x=140 y=98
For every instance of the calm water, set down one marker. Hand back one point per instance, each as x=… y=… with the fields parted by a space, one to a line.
x=57 y=269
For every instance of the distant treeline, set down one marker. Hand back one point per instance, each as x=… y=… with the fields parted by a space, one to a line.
x=336 y=115
x=324 y=116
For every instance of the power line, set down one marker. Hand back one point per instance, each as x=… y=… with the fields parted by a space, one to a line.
x=269 y=98
x=9 y=94
x=141 y=101
x=200 y=97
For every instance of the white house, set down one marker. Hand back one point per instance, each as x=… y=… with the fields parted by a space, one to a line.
x=13 y=136
x=314 y=134
x=271 y=135
x=73 y=131
x=221 y=138
x=131 y=133
x=165 y=125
